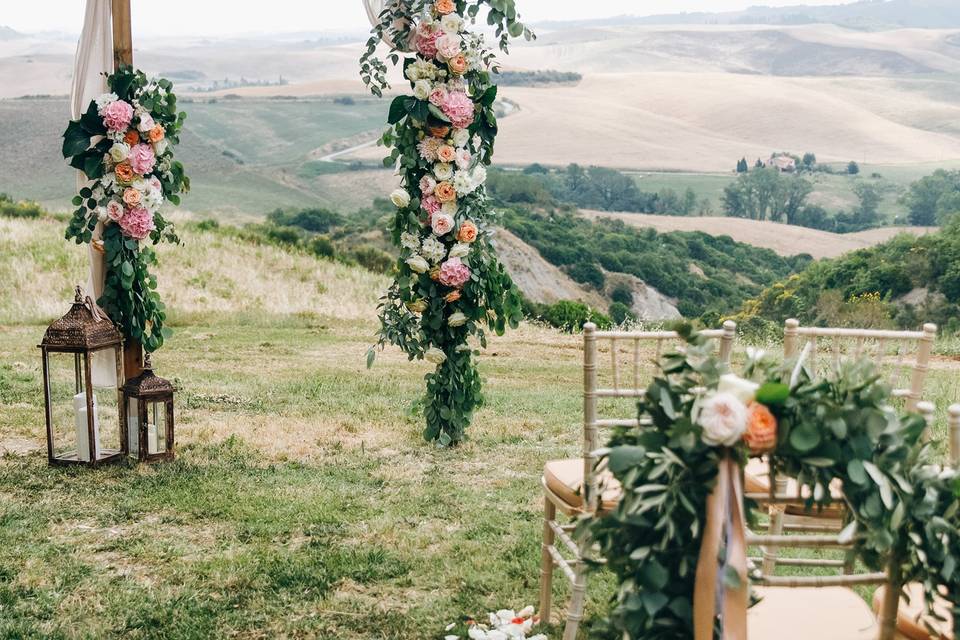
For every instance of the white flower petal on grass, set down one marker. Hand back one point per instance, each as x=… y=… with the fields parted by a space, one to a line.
x=451 y=637
x=476 y=633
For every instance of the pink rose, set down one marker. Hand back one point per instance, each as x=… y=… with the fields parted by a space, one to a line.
x=438 y=96
x=137 y=224
x=453 y=273
x=442 y=223
x=154 y=183
x=117 y=115
x=425 y=40
x=459 y=108
x=464 y=159
x=448 y=45
x=115 y=210
x=141 y=159
x=146 y=123
x=430 y=204
x=427 y=185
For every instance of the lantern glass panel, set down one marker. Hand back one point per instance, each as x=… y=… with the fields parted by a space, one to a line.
x=68 y=406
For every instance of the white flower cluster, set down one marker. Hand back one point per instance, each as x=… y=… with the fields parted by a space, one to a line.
x=505 y=624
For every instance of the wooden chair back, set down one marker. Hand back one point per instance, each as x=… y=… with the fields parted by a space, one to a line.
x=904 y=354
x=632 y=359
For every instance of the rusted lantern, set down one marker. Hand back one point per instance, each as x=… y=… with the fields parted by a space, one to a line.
x=149 y=414
x=82 y=373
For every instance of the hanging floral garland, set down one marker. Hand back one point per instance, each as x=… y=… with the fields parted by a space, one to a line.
x=449 y=283
x=124 y=145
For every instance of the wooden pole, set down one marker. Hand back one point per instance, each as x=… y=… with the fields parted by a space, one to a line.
x=123 y=55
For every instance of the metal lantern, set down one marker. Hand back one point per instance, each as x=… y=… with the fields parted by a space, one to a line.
x=149 y=415
x=82 y=374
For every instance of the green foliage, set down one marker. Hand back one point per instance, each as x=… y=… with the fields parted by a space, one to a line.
x=22 y=209
x=568 y=315
x=129 y=297
x=527 y=78
x=590 y=188
x=369 y=257
x=853 y=168
x=733 y=271
x=862 y=288
x=621 y=313
x=313 y=220
x=766 y=194
x=934 y=199
x=623 y=294
x=835 y=428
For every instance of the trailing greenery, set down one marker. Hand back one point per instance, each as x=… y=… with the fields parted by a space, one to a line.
x=732 y=271
x=826 y=429
x=866 y=287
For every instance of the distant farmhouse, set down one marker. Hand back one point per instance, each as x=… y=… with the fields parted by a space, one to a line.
x=782 y=162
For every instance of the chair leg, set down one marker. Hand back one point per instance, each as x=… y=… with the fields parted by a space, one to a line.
x=775 y=529
x=577 y=602
x=546 y=560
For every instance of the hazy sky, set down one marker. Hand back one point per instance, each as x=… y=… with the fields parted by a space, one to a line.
x=220 y=17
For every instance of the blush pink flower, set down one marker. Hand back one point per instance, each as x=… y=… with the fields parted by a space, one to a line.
x=438 y=96
x=431 y=205
x=137 y=223
x=115 y=210
x=453 y=273
x=427 y=185
x=142 y=159
x=441 y=223
x=428 y=148
x=117 y=115
x=459 y=108
x=425 y=40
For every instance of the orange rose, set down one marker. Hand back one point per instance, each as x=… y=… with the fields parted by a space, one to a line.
x=444 y=7
x=435 y=274
x=156 y=134
x=132 y=197
x=131 y=137
x=467 y=232
x=446 y=153
x=453 y=296
x=458 y=64
x=761 y=434
x=124 y=172
x=439 y=132
x=445 y=192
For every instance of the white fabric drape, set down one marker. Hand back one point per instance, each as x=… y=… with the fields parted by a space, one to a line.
x=94 y=58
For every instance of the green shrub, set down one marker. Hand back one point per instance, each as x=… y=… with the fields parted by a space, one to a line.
x=322 y=247
x=623 y=294
x=587 y=273
x=621 y=313
x=313 y=220
x=208 y=225
x=21 y=209
x=372 y=258
x=570 y=316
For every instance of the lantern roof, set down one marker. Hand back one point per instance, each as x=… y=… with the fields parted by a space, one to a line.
x=85 y=327
x=148 y=384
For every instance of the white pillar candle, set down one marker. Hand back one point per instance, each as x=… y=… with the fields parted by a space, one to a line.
x=80 y=422
x=153 y=444
x=133 y=434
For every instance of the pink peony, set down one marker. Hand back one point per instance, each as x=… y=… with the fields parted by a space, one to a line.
x=425 y=40
x=141 y=159
x=117 y=115
x=137 y=223
x=438 y=96
x=431 y=205
x=459 y=108
x=115 y=210
x=453 y=273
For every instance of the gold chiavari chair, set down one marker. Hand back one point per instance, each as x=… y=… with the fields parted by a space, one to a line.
x=632 y=356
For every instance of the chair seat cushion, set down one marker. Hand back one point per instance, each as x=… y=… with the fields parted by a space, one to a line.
x=827 y=613
x=565 y=479
x=912 y=616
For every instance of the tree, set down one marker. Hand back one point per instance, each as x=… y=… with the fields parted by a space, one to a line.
x=867 y=213
x=809 y=160
x=759 y=164
x=766 y=194
x=668 y=202
x=742 y=166
x=934 y=198
x=689 y=203
x=853 y=168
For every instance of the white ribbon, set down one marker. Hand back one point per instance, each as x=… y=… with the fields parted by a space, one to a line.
x=94 y=59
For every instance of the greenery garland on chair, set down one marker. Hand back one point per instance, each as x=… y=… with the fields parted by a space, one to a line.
x=819 y=430
x=449 y=283
x=124 y=145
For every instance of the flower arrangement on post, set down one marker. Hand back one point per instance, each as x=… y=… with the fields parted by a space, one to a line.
x=449 y=283
x=124 y=146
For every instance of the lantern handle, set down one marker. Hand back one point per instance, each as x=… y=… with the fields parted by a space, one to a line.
x=147 y=365
x=95 y=310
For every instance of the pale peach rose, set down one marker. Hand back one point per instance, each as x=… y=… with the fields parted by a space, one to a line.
x=453 y=296
x=131 y=137
x=446 y=153
x=435 y=274
x=124 y=172
x=467 y=232
x=445 y=192
x=439 y=131
x=458 y=64
x=156 y=134
x=444 y=7
x=761 y=433
x=132 y=197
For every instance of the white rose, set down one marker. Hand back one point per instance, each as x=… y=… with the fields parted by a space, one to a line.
x=457 y=320
x=464 y=158
x=451 y=23
x=160 y=147
x=459 y=250
x=119 y=152
x=422 y=89
x=434 y=355
x=463 y=182
x=479 y=175
x=400 y=198
x=417 y=264
x=146 y=122
x=450 y=208
x=461 y=137
x=443 y=171
x=744 y=390
x=102 y=214
x=723 y=417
